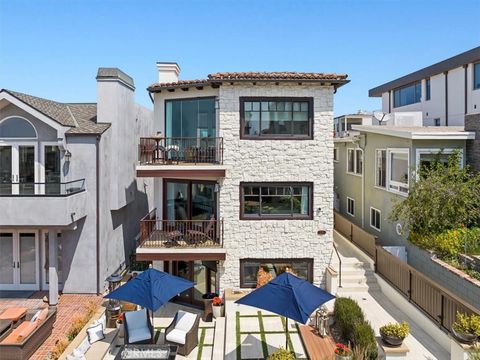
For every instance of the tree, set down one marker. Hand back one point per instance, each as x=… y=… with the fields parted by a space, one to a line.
x=445 y=196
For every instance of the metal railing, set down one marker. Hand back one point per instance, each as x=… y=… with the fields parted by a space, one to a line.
x=42 y=189
x=170 y=150
x=339 y=266
x=156 y=233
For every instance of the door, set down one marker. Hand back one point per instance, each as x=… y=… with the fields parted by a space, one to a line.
x=17 y=168
x=19 y=260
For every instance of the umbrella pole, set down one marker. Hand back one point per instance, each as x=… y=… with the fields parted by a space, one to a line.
x=286 y=334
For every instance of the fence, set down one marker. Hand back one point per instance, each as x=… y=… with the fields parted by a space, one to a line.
x=356 y=234
x=435 y=301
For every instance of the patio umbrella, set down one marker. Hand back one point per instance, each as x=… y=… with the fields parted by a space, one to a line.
x=289 y=296
x=151 y=289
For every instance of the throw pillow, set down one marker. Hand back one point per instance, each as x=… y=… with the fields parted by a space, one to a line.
x=84 y=346
x=95 y=333
x=35 y=317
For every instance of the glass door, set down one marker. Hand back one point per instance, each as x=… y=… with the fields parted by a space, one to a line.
x=7 y=260
x=26 y=169
x=17 y=168
x=6 y=170
x=183 y=269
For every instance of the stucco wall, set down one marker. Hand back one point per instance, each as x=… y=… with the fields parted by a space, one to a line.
x=276 y=160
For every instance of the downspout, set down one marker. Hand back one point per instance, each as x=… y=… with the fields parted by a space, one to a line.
x=446 y=97
x=97 y=195
x=364 y=138
x=151 y=97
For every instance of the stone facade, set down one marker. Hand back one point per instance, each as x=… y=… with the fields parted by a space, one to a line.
x=472 y=123
x=278 y=161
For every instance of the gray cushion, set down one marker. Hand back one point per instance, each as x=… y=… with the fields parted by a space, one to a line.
x=136 y=335
x=137 y=325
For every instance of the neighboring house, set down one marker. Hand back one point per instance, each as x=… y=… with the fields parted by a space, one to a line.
x=375 y=168
x=70 y=201
x=243 y=177
x=444 y=92
x=342 y=125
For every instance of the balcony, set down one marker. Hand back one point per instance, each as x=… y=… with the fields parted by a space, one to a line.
x=42 y=204
x=180 y=239
x=181 y=157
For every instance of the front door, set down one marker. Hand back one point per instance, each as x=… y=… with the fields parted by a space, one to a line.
x=17 y=168
x=19 y=260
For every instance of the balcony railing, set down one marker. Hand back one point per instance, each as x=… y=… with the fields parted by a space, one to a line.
x=180 y=233
x=161 y=150
x=42 y=189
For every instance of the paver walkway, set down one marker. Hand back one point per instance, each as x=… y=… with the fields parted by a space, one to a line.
x=379 y=310
x=69 y=306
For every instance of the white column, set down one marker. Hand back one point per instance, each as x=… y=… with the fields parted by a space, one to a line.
x=52 y=268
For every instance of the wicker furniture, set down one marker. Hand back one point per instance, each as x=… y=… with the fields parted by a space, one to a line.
x=183 y=332
x=138 y=328
x=25 y=348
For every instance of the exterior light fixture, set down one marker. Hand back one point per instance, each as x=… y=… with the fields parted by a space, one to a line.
x=68 y=155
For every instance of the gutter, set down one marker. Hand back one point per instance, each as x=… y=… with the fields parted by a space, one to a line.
x=97 y=195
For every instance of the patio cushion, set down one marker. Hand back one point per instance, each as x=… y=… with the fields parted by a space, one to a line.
x=13 y=313
x=28 y=329
x=136 y=320
x=177 y=336
x=43 y=314
x=185 y=320
x=95 y=333
x=140 y=334
x=14 y=337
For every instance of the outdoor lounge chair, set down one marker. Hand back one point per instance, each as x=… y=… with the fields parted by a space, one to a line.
x=138 y=328
x=207 y=233
x=183 y=332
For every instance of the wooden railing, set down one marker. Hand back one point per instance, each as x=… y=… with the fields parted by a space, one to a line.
x=355 y=234
x=433 y=299
x=156 y=233
x=169 y=150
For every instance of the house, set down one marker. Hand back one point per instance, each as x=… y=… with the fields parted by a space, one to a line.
x=243 y=177
x=343 y=124
x=376 y=167
x=69 y=197
x=444 y=92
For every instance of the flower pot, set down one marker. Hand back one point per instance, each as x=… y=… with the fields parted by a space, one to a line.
x=218 y=311
x=464 y=338
x=391 y=340
x=343 y=357
x=121 y=329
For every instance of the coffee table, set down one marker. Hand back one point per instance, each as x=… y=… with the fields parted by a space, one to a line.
x=147 y=352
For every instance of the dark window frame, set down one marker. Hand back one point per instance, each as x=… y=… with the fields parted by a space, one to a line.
x=309 y=216
x=243 y=136
x=414 y=84
x=309 y=261
x=476 y=67
x=428 y=89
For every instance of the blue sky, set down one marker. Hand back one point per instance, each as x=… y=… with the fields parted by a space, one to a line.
x=52 y=48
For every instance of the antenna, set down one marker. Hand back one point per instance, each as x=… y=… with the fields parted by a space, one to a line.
x=381 y=116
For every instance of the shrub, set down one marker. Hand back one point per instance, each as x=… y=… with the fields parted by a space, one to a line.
x=59 y=348
x=396 y=329
x=282 y=354
x=467 y=324
x=347 y=314
x=364 y=338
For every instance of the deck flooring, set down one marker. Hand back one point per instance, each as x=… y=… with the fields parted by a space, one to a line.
x=317 y=348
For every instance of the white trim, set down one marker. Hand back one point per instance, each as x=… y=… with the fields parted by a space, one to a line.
x=41 y=160
x=389 y=168
x=20 y=138
x=44 y=252
x=380 y=217
x=355 y=161
x=435 y=151
x=375 y=168
x=353 y=200
x=409 y=133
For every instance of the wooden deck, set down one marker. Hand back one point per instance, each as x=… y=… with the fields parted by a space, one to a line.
x=317 y=348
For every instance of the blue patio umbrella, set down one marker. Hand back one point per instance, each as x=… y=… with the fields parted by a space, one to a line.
x=151 y=289
x=289 y=296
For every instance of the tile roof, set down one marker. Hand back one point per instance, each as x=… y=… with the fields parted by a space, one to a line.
x=218 y=78
x=80 y=117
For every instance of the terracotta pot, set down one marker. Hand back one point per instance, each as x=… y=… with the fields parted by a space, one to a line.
x=391 y=340
x=464 y=338
x=218 y=311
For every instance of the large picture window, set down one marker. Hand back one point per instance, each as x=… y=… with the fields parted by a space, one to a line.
x=276 y=118
x=399 y=169
x=407 y=95
x=190 y=118
x=249 y=269
x=276 y=201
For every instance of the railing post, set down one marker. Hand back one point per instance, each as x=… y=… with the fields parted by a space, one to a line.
x=442 y=313
x=409 y=285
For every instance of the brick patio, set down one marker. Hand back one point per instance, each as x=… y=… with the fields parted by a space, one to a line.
x=69 y=305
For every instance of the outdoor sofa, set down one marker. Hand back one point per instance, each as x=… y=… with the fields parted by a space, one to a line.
x=183 y=332
x=13 y=346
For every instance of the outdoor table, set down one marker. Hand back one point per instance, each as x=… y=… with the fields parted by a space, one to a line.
x=5 y=326
x=147 y=352
x=157 y=139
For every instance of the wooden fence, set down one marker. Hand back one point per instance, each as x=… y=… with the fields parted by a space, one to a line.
x=434 y=300
x=355 y=234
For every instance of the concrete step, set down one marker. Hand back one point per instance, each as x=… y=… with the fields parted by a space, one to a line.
x=358 y=288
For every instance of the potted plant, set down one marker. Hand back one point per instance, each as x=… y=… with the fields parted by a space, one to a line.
x=218 y=307
x=393 y=334
x=342 y=352
x=119 y=325
x=466 y=329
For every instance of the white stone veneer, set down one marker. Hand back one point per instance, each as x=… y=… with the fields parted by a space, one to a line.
x=276 y=160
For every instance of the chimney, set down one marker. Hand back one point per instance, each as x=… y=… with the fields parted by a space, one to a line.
x=168 y=72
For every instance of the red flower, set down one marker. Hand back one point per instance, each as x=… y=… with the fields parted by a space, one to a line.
x=217 y=301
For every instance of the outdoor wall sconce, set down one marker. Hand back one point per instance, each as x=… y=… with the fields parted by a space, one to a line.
x=68 y=155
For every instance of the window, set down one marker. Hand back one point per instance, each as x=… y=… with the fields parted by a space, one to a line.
x=355 y=161
x=190 y=118
x=437 y=121
x=16 y=127
x=407 y=95
x=350 y=206
x=381 y=168
x=426 y=158
x=427 y=88
x=399 y=167
x=249 y=269
x=375 y=218
x=276 y=118
x=52 y=169
x=276 y=201
x=476 y=76
x=335 y=154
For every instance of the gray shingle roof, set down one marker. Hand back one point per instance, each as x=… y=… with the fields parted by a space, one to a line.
x=80 y=117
